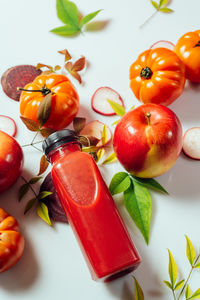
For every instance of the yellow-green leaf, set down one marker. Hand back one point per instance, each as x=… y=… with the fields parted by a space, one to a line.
x=168 y=284
x=155 y=5
x=66 y=30
x=173 y=269
x=179 y=284
x=196 y=295
x=187 y=292
x=190 y=251
x=116 y=122
x=86 y=19
x=118 y=109
x=100 y=154
x=139 y=295
x=43 y=213
x=197 y=266
x=110 y=159
x=163 y=2
x=166 y=10
x=104 y=135
x=90 y=149
x=119 y=183
x=67 y=12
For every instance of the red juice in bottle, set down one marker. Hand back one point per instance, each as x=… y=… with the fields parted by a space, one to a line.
x=90 y=209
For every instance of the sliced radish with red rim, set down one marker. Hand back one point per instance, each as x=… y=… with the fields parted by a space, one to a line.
x=8 y=125
x=100 y=101
x=163 y=44
x=191 y=143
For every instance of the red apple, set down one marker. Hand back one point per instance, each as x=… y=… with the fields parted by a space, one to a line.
x=148 y=140
x=11 y=161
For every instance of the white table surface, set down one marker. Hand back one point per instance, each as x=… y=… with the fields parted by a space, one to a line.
x=52 y=266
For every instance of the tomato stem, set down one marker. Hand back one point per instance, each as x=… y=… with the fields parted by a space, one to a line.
x=148 y=115
x=44 y=90
x=146 y=73
x=197 y=45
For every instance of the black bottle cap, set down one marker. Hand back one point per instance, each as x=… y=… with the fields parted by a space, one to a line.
x=59 y=138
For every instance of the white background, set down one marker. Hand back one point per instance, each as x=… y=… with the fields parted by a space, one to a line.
x=52 y=266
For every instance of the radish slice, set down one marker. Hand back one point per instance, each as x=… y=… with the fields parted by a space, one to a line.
x=8 y=125
x=163 y=44
x=18 y=76
x=100 y=103
x=191 y=143
x=95 y=128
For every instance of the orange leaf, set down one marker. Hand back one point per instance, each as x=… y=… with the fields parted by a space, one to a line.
x=39 y=66
x=76 y=76
x=68 y=66
x=30 y=124
x=43 y=165
x=79 y=123
x=45 y=132
x=79 y=64
x=66 y=54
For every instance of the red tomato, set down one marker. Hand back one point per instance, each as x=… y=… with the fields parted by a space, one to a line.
x=11 y=241
x=11 y=161
x=157 y=76
x=188 y=49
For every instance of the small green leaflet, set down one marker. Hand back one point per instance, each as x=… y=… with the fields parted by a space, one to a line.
x=187 y=292
x=168 y=284
x=196 y=295
x=68 y=13
x=29 y=205
x=35 y=180
x=118 y=109
x=137 y=201
x=150 y=183
x=190 y=251
x=43 y=213
x=44 y=194
x=197 y=266
x=119 y=183
x=22 y=191
x=161 y=6
x=173 y=269
x=179 y=284
x=88 y=18
x=139 y=295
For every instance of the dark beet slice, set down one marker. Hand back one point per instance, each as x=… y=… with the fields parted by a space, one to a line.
x=16 y=77
x=52 y=201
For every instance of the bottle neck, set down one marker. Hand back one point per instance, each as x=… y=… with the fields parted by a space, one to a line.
x=63 y=150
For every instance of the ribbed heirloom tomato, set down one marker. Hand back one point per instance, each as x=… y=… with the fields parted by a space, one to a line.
x=64 y=100
x=157 y=76
x=188 y=49
x=11 y=241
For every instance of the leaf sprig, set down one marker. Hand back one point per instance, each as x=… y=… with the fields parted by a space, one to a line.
x=137 y=198
x=160 y=6
x=68 y=13
x=182 y=285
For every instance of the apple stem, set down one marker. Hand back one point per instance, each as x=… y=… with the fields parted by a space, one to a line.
x=148 y=115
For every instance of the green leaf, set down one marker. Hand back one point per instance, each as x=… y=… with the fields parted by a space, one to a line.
x=150 y=183
x=67 y=12
x=179 y=284
x=168 y=284
x=29 y=205
x=137 y=201
x=118 y=109
x=35 y=179
x=139 y=295
x=173 y=269
x=110 y=159
x=22 y=191
x=44 y=194
x=66 y=30
x=119 y=183
x=116 y=122
x=187 y=292
x=43 y=213
x=197 y=266
x=155 y=5
x=166 y=10
x=190 y=251
x=163 y=2
x=196 y=295
x=86 y=19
